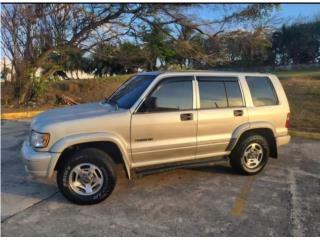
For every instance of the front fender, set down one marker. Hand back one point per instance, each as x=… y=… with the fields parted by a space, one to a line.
x=75 y=139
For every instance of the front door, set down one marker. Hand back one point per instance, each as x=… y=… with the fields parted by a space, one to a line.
x=163 y=130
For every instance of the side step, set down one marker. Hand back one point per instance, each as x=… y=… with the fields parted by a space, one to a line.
x=140 y=172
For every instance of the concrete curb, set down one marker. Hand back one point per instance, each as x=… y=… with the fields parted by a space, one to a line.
x=307 y=135
x=19 y=115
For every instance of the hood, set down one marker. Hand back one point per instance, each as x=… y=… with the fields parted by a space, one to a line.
x=71 y=113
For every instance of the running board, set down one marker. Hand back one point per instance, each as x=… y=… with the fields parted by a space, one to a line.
x=144 y=171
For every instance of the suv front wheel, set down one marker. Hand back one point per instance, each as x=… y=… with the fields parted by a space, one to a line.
x=250 y=155
x=87 y=176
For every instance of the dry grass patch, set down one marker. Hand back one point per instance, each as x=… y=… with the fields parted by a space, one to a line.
x=304 y=100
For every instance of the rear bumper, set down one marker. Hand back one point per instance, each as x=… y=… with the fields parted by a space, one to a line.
x=36 y=163
x=283 y=140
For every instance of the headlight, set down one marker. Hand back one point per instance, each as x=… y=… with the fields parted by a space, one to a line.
x=39 y=140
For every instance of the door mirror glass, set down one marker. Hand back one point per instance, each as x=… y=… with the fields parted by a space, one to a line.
x=148 y=104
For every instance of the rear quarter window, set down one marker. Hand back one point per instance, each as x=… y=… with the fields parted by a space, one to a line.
x=262 y=91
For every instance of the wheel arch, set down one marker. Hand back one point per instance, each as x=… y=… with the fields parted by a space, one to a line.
x=264 y=129
x=112 y=145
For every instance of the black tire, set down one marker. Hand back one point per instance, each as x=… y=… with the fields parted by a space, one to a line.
x=237 y=160
x=92 y=156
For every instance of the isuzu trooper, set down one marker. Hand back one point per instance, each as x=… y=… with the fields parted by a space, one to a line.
x=157 y=121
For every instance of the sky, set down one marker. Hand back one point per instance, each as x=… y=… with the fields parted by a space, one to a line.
x=288 y=12
x=303 y=10
x=285 y=14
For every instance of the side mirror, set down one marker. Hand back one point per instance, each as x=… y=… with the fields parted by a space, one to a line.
x=148 y=104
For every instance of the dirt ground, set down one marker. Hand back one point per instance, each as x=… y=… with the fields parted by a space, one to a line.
x=283 y=200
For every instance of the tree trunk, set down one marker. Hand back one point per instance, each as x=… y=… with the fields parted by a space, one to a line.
x=12 y=74
x=23 y=83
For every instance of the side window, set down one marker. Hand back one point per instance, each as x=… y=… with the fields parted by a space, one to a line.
x=219 y=92
x=262 y=91
x=234 y=94
x=171 y=94
x=212 y=94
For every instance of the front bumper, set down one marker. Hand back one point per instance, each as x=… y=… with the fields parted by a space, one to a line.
x=36 y=163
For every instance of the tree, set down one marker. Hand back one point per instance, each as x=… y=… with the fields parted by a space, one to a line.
x=298 y=43
x=248 y=48
x=104 y=59
x=156 y=46
x=33 y=33
x=131 y=57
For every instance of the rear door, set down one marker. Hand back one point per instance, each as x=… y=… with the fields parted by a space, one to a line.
x=221 y=110
x=164 y=128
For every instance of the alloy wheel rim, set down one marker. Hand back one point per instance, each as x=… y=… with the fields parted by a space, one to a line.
x=253 y=155
x=86 y=179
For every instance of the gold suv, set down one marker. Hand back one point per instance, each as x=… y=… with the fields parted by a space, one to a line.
x=156 y=121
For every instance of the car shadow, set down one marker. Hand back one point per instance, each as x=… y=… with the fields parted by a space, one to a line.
x=215 y=169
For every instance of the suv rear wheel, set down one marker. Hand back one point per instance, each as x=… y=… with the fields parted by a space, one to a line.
x=250 y=155
x=87 y=177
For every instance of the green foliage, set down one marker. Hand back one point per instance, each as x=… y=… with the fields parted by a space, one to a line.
x=59 y=37
x=38 y=88
x=296 y=44
x=104 y=59
x=131 y=56
x=247 y=48
x=156 y=49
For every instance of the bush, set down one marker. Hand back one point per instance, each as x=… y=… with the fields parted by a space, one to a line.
x=38 y=88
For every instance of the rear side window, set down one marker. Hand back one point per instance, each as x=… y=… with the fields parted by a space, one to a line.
x=219 y=92
x=212 y=95
x=262 y=91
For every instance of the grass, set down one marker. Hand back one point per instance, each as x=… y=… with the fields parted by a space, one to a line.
x=310 y=74
x=303 y=92
x=83 y=90
x=89 y=90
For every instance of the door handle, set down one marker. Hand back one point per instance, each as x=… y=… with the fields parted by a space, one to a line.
x=238 y=113
x=186 y=116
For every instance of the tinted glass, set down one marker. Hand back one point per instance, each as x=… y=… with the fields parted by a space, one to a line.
x=128 y=93
x=171 y=95
x=234 y=94
x=212 y=94
x=262 y=91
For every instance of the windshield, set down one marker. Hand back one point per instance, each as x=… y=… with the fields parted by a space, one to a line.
x=128 y=93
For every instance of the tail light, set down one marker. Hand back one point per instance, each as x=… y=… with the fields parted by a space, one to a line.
x=287 y=120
